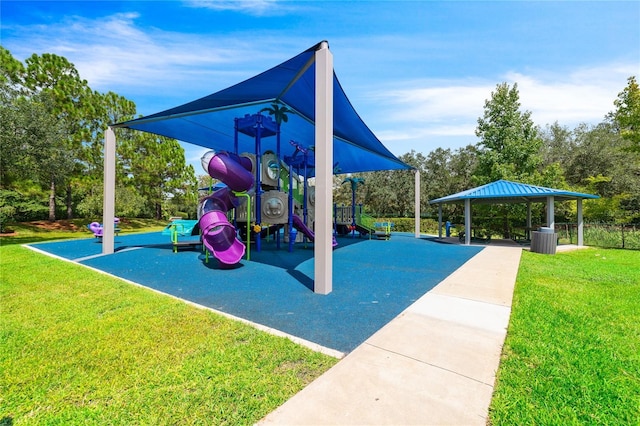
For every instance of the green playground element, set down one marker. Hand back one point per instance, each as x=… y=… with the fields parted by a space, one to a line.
x=248 y=197
x=382 y=230
x=366 y=222
x=298 y=190
x=179 y=228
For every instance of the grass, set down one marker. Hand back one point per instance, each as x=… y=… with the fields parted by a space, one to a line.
x=79 y=347
x=602 y=235
x=31 y=232
x=572 y=352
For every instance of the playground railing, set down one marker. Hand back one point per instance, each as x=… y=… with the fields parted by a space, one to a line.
x=384 y=226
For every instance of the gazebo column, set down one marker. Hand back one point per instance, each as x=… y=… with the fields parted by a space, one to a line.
x=527 y=231
x=580 y=223
x=551 y=221
x=417 y=204
x=467 y=221
x=322 y=249
x=440 y=220
x=109 y=202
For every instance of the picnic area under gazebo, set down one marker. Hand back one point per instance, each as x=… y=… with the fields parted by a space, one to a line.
x=507 y=192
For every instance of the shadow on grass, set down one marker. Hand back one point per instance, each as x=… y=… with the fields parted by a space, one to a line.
x=42 y=231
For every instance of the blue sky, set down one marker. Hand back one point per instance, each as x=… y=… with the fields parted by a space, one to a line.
x=417 y=72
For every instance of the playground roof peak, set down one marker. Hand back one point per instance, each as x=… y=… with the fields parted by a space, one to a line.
x=504 y=191
x=209 y=121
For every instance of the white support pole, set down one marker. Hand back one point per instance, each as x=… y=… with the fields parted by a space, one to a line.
x=467 y=221
x=322 y=250
x=528 y=230
x=440 y=220
x=108 y=206
x=551 y=220
x=580 y=224
x=417 y=203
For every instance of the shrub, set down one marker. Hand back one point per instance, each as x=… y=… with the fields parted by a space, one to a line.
x=16 y=207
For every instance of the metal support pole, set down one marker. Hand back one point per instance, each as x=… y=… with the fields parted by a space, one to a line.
x=290 y=220
x=527 y=232
x=417 y=204
x=258 y=180
x=323 y=255
x=551 y=221
x=467 y=221
x=440 y=220
x=108 y=210
x=580 y=223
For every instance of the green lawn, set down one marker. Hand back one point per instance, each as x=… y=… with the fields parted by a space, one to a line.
x=572 y=352
x=79 y=347
x=32 y=232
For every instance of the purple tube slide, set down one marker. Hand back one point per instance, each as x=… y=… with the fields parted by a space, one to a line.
x=218 y=235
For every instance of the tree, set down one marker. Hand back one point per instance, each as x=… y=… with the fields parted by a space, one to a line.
x=601 y=163
x=509 y=148
x=509 y=144
x=380 y=196
x=11 y=72
x=29 y=138
x=13 y=118
x=51 y=135
x=557 y=143
x=155 y=166
x=627 y=114
x=72 y=103
x=444 y=173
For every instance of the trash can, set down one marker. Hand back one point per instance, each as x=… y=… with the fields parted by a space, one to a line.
x=544 y=241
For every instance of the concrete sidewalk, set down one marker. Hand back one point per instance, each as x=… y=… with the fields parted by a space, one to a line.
x=434 y=364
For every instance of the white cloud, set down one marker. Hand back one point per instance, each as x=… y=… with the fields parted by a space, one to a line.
x=585 y=95
x=252 y=7
x=419 y=110
x=147 y=63
x=113 y=53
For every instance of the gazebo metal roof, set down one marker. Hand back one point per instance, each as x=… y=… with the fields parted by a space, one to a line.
x=504 y=191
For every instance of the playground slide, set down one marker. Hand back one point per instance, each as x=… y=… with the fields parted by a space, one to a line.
x=300 y=226
x=218 y=235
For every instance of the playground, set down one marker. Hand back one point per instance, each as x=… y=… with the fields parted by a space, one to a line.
x=251 y=252
x=374 y=280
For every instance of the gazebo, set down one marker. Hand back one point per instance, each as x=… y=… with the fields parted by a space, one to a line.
x=504 y=191
x=319 y=115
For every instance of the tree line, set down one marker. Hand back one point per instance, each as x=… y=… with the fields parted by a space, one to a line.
x=51 y=138
x=51 y=156
x=602 y=159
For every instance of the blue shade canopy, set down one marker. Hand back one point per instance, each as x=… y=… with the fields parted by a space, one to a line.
x=504 y=191
x=209 y=121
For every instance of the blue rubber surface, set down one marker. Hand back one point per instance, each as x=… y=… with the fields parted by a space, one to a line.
x=373 y=281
